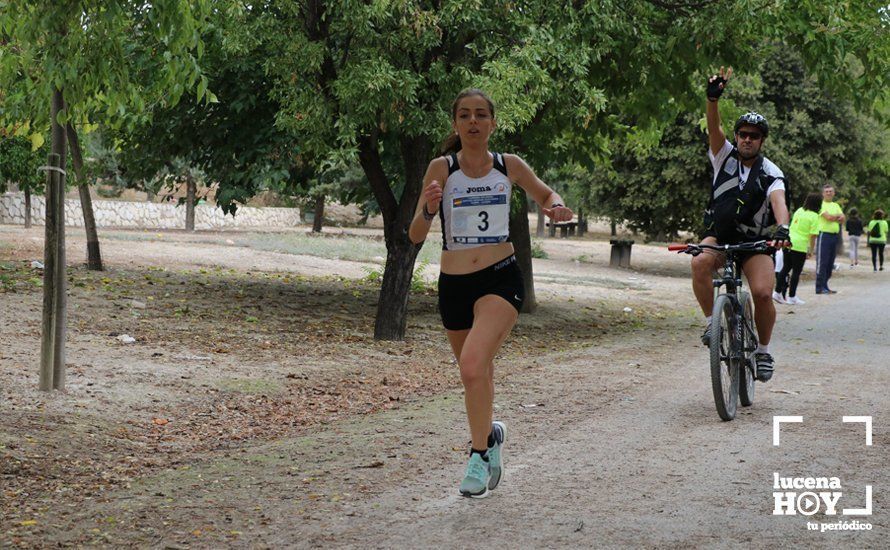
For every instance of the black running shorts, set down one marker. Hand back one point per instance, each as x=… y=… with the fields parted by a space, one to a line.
x=458 y=293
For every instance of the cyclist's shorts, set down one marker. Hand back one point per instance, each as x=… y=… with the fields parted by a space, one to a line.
x=458 y=293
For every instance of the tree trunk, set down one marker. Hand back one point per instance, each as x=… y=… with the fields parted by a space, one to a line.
x=52 y=344
x=613 y=227
x=27 y=207
x=318 y=219
x=94 y=255
x=522 y=243
x=539 y=230
x=191 y=190
x=392 y=305
x=582 y=223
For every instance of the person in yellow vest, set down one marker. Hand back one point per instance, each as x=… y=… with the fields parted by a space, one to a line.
x=877 y=238
x=831 y=216
x=804 y=229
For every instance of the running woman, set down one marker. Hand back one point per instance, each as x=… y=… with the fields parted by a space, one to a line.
x=480 y=285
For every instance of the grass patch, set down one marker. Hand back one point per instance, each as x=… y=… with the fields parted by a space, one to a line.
x=354 y=248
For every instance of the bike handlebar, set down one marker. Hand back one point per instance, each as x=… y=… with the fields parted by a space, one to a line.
x=753 y=246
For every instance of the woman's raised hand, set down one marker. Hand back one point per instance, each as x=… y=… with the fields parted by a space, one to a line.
x=559 y=214
x=433 y=196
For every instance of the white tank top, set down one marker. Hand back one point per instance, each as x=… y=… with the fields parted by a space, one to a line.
x=475 y=211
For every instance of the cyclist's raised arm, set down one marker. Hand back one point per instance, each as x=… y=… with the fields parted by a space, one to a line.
x=716 y=85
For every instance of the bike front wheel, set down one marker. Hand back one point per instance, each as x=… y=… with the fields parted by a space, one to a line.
x=724 y=366
x=749 y=343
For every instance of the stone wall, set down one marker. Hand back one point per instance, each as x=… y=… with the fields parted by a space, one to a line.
x=147 y=215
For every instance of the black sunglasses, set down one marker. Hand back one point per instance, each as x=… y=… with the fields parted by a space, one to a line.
x=754 y=136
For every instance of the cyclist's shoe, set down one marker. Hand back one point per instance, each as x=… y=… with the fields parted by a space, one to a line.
x=706 y=336
x=777 y=298
x=496 y=453
x=795 y=301
x=475 y=483
x=765 y=365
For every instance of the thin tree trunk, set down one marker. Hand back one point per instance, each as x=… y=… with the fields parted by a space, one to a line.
x=27 y=207
x=52 y=349
x=94 y=254
x=522 y=243
x=318 y=219
x=191 y=191
x=614 y=227
x=539 y=230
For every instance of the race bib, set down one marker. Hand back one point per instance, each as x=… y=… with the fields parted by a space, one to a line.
x=480 y=219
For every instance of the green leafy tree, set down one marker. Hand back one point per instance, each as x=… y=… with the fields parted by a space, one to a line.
x=73 y=61
x=107 y=60
x=19 y=163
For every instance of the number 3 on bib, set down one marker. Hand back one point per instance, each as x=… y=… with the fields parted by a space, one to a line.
x=480 y=219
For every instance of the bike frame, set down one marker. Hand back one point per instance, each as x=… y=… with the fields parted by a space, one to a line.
x=732 y=281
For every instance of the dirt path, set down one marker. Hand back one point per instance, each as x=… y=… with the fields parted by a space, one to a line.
x=615 y=444
x=638 y=458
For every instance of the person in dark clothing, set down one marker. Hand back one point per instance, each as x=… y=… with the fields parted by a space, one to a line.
x=854 y=232
x=877 y=238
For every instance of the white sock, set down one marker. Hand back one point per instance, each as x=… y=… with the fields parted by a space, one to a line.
x=708 y=320
x=762 y=349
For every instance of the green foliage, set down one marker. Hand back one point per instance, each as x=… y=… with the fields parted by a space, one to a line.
x=19 y=163
x=538 y=250
x=102 y=164
x=110 y=59
x=419 y=284
x=816 y=137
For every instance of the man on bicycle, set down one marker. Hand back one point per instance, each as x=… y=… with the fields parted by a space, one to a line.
x=747 y=199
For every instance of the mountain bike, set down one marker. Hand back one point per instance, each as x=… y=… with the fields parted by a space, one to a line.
x=733 y=338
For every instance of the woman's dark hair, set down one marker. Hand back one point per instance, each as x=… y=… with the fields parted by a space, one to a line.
x=451 y=144
x=813 y=202
x=854 y=212
x=879 y=214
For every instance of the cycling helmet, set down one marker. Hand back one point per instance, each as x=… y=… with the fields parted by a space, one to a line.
x=753 y=119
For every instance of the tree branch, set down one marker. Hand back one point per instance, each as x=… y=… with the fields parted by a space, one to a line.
x=369 y=158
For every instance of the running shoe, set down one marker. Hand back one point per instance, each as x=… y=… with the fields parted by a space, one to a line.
x=706 y=336
x=475 y=483
x=496 y=453
x=777 y=298
x=795 y=301
x=765 y=365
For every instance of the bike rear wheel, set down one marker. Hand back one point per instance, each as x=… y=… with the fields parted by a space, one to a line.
x=724 y=366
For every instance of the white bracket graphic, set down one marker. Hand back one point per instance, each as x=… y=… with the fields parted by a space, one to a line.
x=867 y=421
x=778 y=420
x=861 y=511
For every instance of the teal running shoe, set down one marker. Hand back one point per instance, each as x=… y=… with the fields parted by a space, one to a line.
x=496 y=453
x=475 y=483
